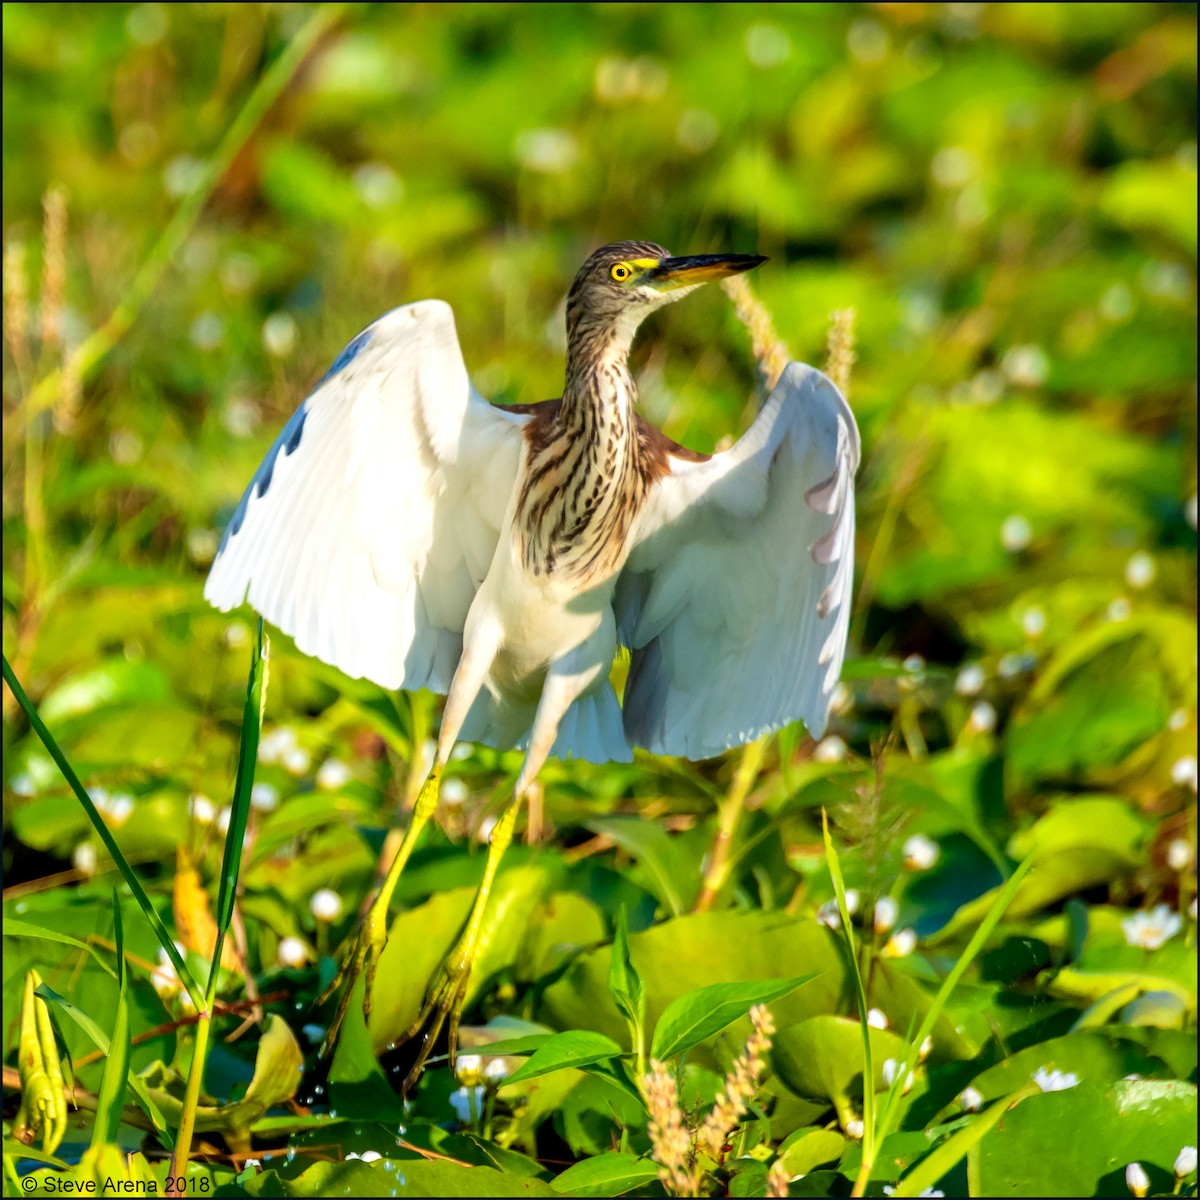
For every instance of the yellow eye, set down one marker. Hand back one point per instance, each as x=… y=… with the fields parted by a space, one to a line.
x=621 y=272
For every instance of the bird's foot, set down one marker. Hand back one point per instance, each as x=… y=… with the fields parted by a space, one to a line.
x=443 y=1002
x=361 y=958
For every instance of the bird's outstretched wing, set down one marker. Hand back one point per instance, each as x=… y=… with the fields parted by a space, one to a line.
x=371 y=522
x=735 y=599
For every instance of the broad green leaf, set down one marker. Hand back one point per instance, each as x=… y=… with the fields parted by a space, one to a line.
x=1078 y=1142
x=809 y=1151
x=575 y=1048
x=408 y=1177
x=694 y=1018
x=612 y=1173
x=15 y=927
x=657 y=852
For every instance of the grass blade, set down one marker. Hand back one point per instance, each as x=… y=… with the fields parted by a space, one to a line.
x=111 y=1098
x=839 y=889
x=139 y=893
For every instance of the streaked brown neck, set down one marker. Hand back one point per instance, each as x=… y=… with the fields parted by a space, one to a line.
x=584 y=484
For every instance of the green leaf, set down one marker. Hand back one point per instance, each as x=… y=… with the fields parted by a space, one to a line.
x=802 y=1155
x=1078 y=1142
x=610 y=1174
x=252 y=715
x=655 y=850
x=695 y=1017
x=575 y=1048
x=408 y=1177
x=626 y=984
x=15 y=927
x=111 y=1098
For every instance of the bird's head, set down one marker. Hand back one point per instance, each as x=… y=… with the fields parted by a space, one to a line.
x=620 y=284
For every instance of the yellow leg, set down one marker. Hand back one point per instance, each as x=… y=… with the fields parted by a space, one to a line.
x=448 y=988
x=371 y=936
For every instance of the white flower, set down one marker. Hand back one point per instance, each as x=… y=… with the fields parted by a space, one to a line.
x=1015 y=533
x=901 y=944
x=326 y=904
x=223 y=819
x=877 y=1018
x=274 y=745
x=1033 y=621
x=920 y=852
x=84 y=858
x=1136 y=1179
x=202 y=809
x=891 y=1069
x=1190 y=510
x=914 y=663
x=264 y=797
x=852 y=900
x=365 y=1156
x=468 y=1068
x=886 y=912
x=495 y=1070
x=1054 y=1081
x=296 y=761
x=485 y=828
x=970 y=680
x=1026 y=366
x=236 y=635
x=971 y=1099
x=454 y=791
x=1179 y=854
x=292 y=952
x=164 y=977
x=118 y=809
x=279 y=334
x=1183 y=772
x=854 y=1129
x=546 y=151
x=460 y=1101
x=1185 y=1162
x=828 y=914
x=1151 y=929
x=333 y=774
x=982 y=718
x=888 y=1190
x=926 y=1048
x=1140 y=571
x=830 y=749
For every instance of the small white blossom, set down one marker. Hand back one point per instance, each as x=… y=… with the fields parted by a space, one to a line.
x=971 y=1099
x=828 y=914
x=1152 y=929
x=970 y=680
x=223 y=819
x=1185 y=1162
x=468 y=1068
x=888 y=1190
x=886 y=912
x=1015 y=533
x=1177 y=720
x=1012 y=665
x=326 y=904
x=901 y=944
x=914 y=663
x=1190 y=510
x=1054 y=1081
x=1179 y=854
x=1033 y=621
x=236 y=635
x=333 y=774
x=484 y=832
x=1140 y=570
x=454 y=791
x=118 y=809
x=84 y=858
x=920 y=852
x=891 y=1070
x=22 y=784
x=460 y=1101
x=264 y=797
x=164 y=977
x=274 y=745
x=296 y=761
x=1026 y=366
x=279 y=334
x=982 y=718
x=852 y=900
x=1183 y=772
x=1136 y=1179
x=365 y=1156
x=854 y=1129
x=926 y=1048
x=830 y=749
x=292 y=952
x=495 y=1070
x=202 y=809
x=877 y=1018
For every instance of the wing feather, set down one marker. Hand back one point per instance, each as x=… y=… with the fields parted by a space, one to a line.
x=735 y=600
x=373 y=518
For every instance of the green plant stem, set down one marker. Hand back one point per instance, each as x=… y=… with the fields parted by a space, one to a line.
x=191 y=1097
x=729 y=814
x=93 y=350
x=139 y=893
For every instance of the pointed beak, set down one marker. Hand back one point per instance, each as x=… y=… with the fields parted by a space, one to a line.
x=672 y=273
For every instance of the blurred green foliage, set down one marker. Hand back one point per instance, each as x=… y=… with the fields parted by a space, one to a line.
x=1005 y=194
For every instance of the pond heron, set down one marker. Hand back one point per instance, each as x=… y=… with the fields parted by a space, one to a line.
x=407 y=531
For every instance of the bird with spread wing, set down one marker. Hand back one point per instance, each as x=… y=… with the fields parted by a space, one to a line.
x=409 y=532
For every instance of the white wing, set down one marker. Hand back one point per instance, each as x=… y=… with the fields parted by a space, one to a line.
x=735 y=600
x=373 y=519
